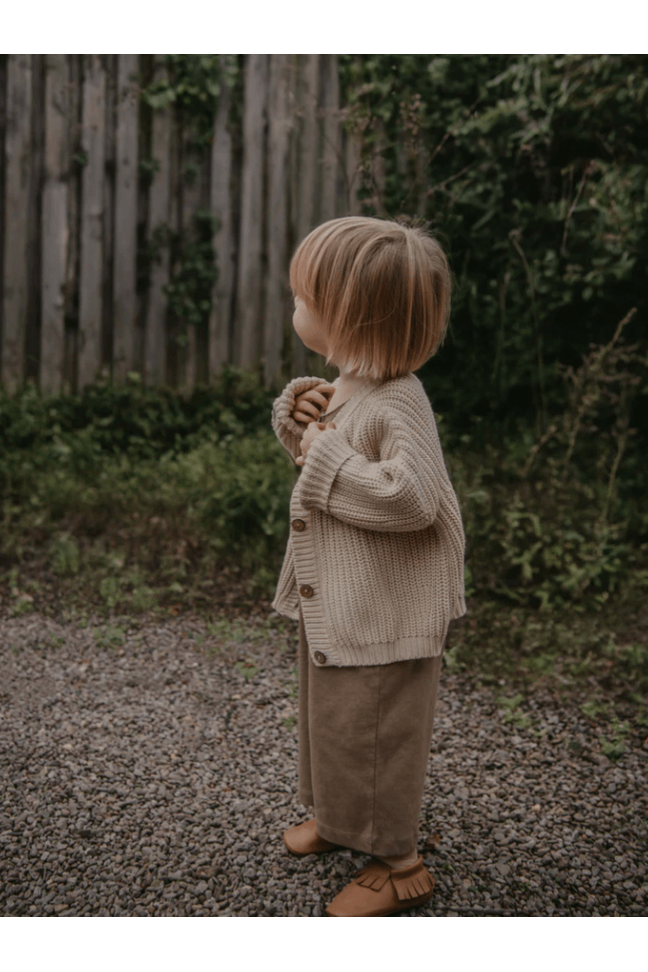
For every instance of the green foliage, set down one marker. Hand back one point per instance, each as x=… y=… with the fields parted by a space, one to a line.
x=208 y=464
x=192 y=270
x=247 y=669
x=191 y=289
x=194 y=85
x=110 y=589
x=77 y=431
x=511 y=711
x=547 y=522
x=64 y=555
x=111 y=636
x=236 y=491
x=592 y=709
x=614 y=744
x=531 y=170
x=294 y=681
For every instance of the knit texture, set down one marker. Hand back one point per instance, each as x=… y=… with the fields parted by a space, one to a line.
x=375 y=553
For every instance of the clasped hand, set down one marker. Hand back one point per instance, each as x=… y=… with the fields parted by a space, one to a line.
x=314 y=429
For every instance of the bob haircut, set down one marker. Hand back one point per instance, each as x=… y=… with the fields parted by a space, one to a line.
x=381 y=289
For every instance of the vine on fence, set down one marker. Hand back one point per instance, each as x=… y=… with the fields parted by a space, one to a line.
x=193 y=86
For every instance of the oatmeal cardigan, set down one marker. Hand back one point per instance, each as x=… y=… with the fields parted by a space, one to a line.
x=375 y=553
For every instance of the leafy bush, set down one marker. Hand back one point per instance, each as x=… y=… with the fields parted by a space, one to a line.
x=130 y=419
x=531 y=170
x=546 y=522
x=234 y=493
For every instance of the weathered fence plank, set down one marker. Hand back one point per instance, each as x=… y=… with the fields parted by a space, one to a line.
x=332 y=142
x=92 y=216
x=308 y=177
x=125 y=244
x=72 y=284
x=108 y=225
x=280 y=125
x=18 y=174
x=158 y=218
x=309 y=196
x=190 y=192
x=55 y=227
x=175 y=366
x=250 y=276
x=220 y=207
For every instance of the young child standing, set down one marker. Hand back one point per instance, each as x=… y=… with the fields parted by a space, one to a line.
x=373 y=569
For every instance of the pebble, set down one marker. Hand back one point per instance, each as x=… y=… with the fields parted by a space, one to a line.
x=153 y=778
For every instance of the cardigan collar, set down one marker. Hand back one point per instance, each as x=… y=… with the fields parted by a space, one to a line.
x=348 y=407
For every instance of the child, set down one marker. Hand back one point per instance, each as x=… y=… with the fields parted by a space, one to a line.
x=373 y=569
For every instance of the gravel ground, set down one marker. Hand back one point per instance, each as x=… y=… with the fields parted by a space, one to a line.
x=155 y=776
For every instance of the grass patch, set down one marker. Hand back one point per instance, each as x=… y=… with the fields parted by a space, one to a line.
x=247 y=669
x=613 y=745
x=110 y=637
x=512 y=714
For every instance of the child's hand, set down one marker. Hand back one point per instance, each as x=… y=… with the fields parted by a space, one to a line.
x=309 y=404
x=313 y=430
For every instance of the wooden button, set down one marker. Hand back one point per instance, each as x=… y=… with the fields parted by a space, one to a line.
x=320 y=657
x=298 y=525
x=306 y=590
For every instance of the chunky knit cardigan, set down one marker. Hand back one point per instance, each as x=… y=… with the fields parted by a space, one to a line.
x=375 y=554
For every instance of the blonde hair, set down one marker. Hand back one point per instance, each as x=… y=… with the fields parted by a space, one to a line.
x=382 y=290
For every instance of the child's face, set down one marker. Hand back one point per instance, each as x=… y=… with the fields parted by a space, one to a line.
x=309 y=328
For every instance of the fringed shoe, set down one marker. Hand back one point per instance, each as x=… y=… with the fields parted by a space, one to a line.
x=304 y=839
x=379 y=890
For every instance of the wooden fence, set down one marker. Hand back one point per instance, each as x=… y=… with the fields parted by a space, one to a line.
x=70 y=308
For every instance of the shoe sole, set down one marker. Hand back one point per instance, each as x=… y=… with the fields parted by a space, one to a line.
x=414 y=903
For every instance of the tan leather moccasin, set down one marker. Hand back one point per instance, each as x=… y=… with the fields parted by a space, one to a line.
x=379 y=890
x=304 y=839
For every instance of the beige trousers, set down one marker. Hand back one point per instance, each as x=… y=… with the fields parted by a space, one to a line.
x=364 y=744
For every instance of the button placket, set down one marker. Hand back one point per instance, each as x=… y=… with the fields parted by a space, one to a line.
x=306 y=590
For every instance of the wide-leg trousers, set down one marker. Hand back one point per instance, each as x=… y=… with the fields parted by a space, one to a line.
x=364 y=744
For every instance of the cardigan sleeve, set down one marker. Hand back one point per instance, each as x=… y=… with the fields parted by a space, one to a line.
x=398 y=494
x=288 y=431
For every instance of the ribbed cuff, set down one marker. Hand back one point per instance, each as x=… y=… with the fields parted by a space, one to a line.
x=325 y=456
x=283 y=406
